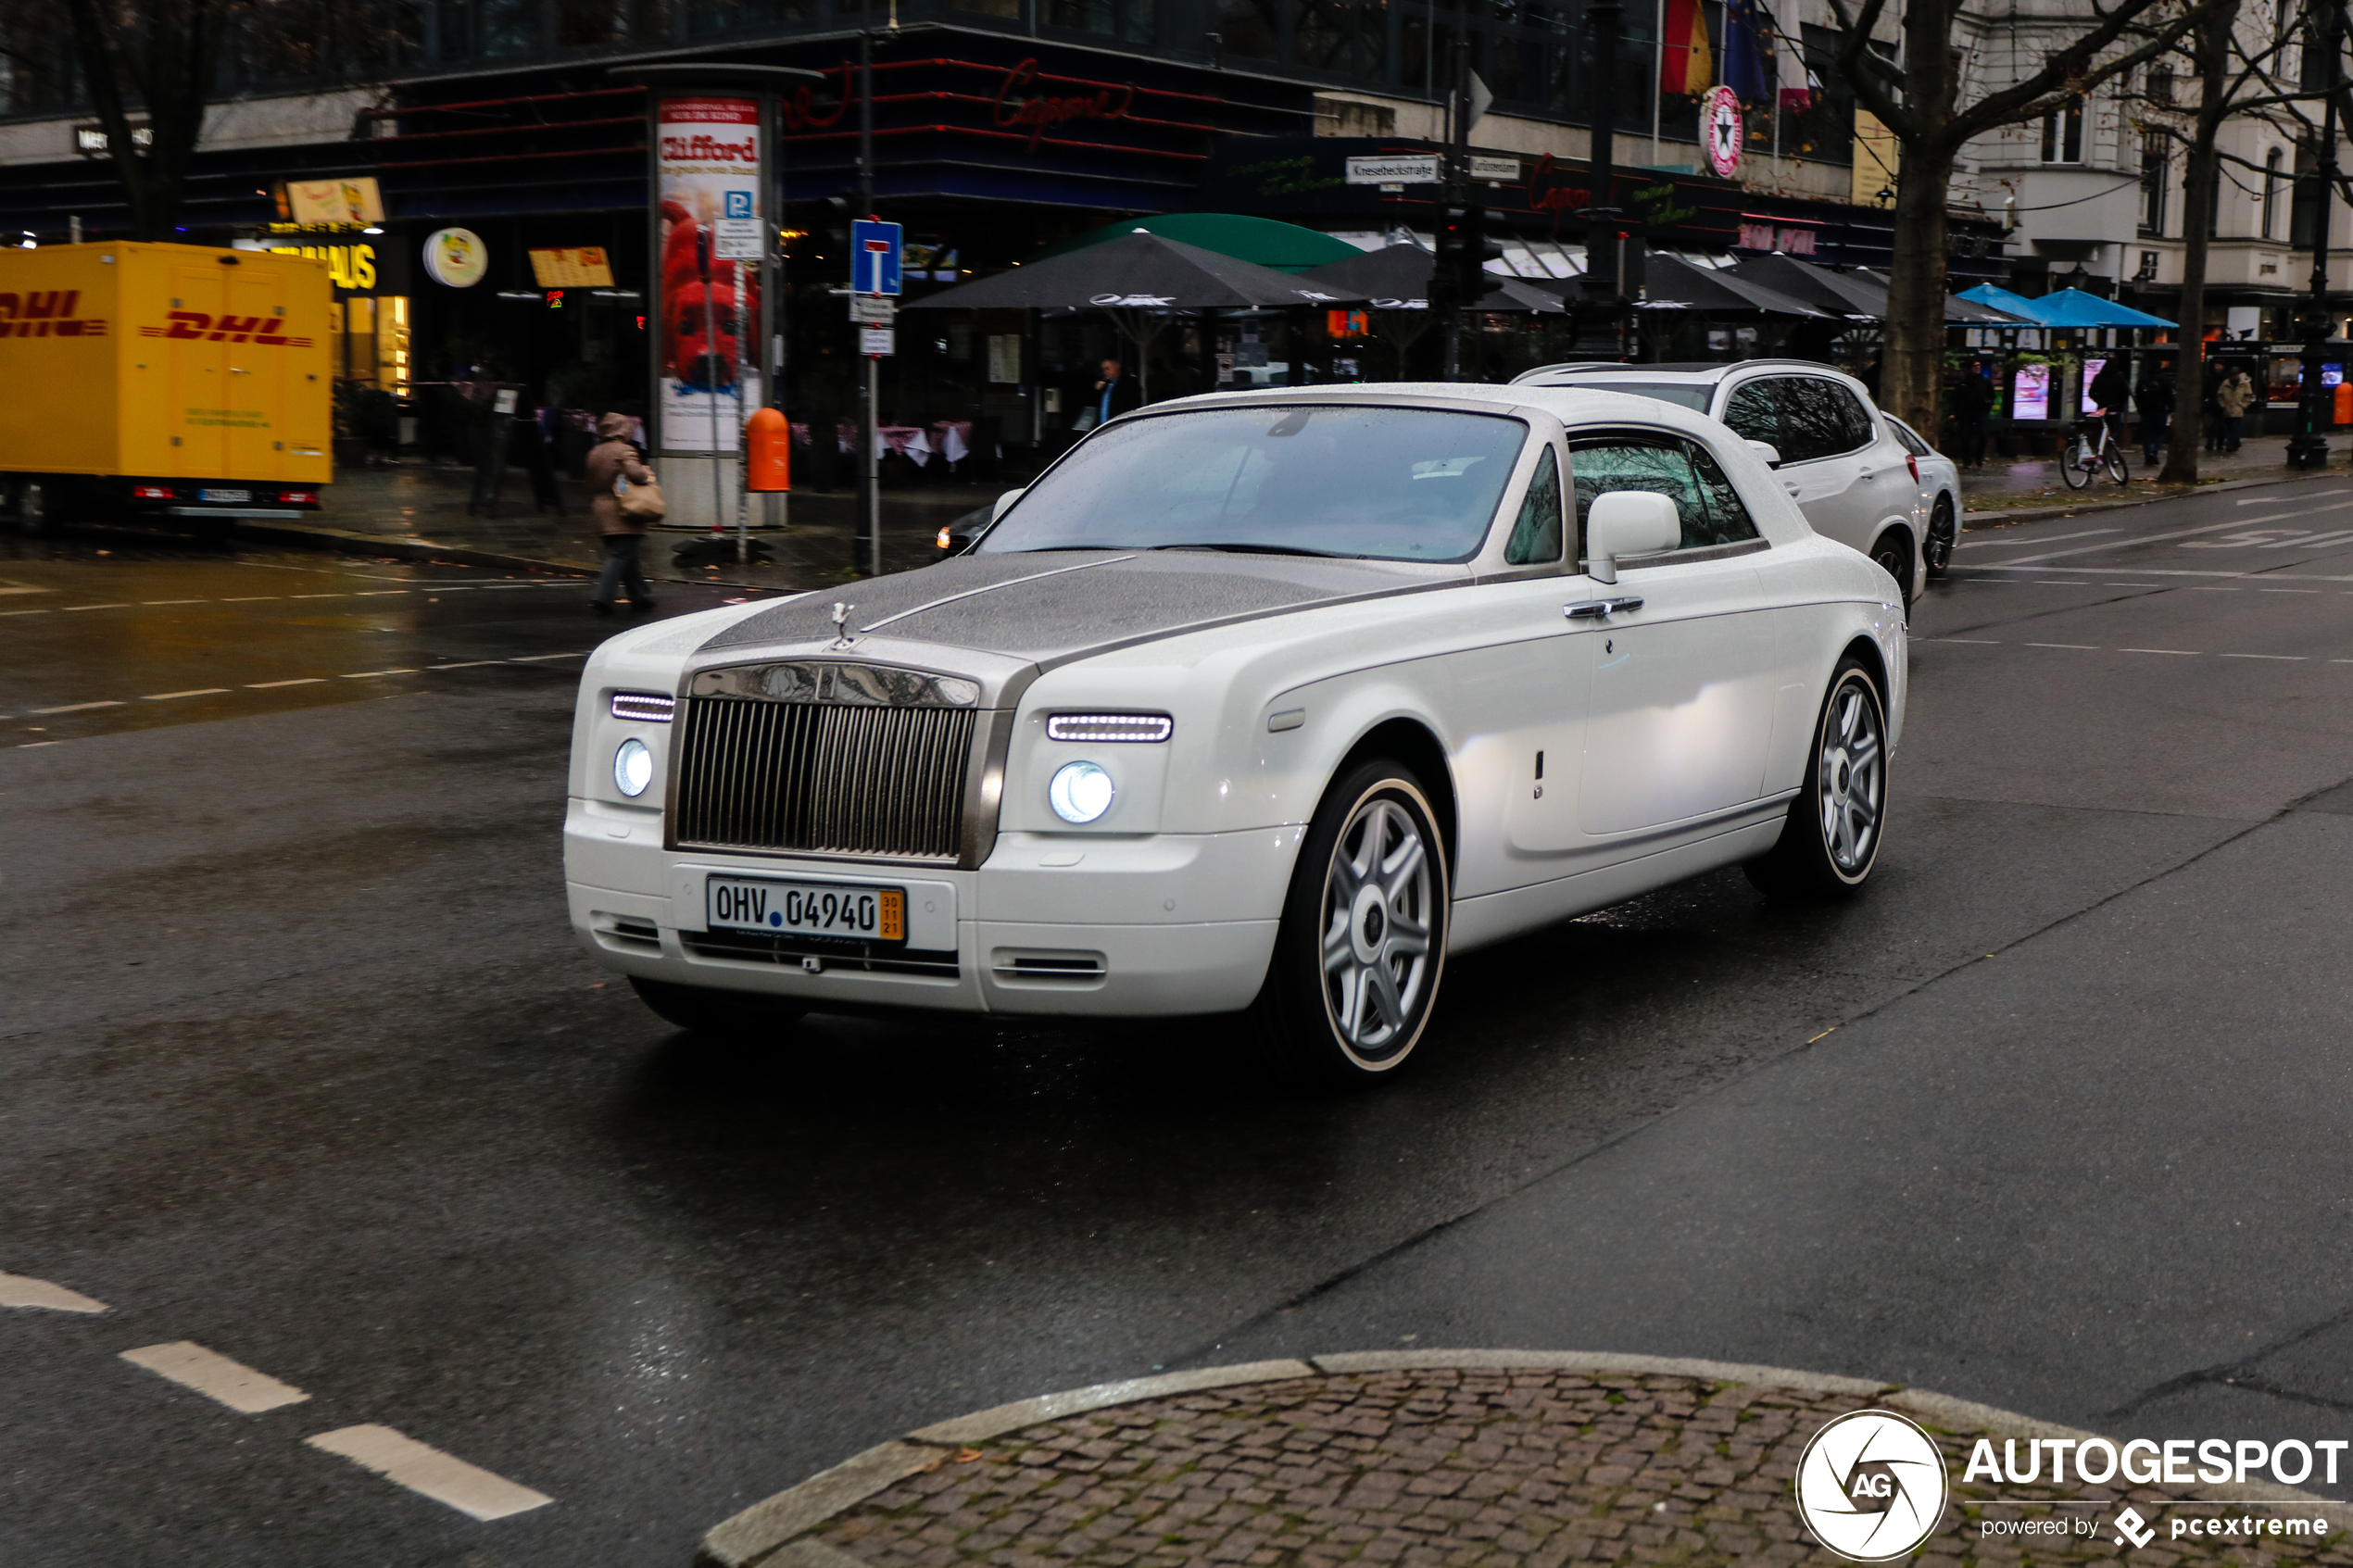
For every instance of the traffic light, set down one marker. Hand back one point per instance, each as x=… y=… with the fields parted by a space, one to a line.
x=1464 y=251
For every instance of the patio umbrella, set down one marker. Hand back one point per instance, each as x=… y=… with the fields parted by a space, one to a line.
x=1285 y=247
x=1138 y=278
x=1672 y=283
x=1841 y=294
x=1397 y=277
x=2066 y=307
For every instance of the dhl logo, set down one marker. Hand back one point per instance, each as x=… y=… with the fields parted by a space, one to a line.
x=231 y=328
x=48 y=314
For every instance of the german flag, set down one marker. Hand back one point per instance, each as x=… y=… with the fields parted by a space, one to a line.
x=1685 y=62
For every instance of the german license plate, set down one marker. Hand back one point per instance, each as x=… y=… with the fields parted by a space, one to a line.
x=806 y=909
x=229 y=496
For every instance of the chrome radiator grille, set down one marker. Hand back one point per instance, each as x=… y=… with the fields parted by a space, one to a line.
x=824 y=778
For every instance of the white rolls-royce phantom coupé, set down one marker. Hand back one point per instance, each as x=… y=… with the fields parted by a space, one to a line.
x=1261 y=704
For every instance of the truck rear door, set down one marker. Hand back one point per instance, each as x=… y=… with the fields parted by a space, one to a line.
x=256 y=380
x=200 y=395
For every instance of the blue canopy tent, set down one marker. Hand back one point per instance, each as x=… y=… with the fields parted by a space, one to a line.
x=2066 y=308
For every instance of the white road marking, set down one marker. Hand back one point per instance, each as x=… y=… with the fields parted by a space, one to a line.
x=528 y=657
x=23 y=1290
x=2053 y=539
x=378 y=593
x=407 y=1462
x=2285 y=658
x=2287 y=590
x=468 y=664
x=2266 y=500
x=372 y=674
x=126 y=605
x=200 y=690
x=174 y=601
x=2182 y=653
x=2182 y=533
x=216 y=1377
x=19 y=588
x=249 y=598
x=297 y=680
x=23 y=612
x=28 y=745
x=2093 y=647
x=76 y=708
x=317 y=596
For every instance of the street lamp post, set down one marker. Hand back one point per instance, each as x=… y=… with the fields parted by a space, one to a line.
x=1601 y=228
x=2308 y=449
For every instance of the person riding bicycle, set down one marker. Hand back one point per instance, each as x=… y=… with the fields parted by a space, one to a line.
x=2109 y=391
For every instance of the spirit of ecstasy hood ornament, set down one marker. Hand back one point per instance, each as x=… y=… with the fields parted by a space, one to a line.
x=842 y=638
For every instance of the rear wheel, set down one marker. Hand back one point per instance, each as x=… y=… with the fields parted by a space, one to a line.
x=1943 y=532
x=2116 y=469
x=1893 y=553
x=707 y=1011
x=1362 y=942
x=34 y=507
x=1831 y=840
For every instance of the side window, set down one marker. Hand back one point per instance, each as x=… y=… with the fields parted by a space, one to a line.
x=1751 y=414
x=1729 y=515
x=1861 y=428
x=1536 y=537
x=1599 y=464
x=1812 y=416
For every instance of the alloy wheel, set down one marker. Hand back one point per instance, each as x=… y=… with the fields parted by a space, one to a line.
x=1376 y=950
x=1851 y=779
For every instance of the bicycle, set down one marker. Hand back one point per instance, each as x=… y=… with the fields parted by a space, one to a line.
x=2084 y=460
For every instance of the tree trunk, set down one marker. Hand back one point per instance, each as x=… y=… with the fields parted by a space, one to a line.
x=1912 y=357
x=2189 y=334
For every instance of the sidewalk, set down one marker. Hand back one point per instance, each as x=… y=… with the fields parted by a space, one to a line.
x=1440 y=1457
x=2032 y=482
x=419 y=504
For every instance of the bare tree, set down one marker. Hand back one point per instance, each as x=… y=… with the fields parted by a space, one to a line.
x=1920 y=107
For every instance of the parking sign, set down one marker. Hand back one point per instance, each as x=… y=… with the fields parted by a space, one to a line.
x=873 y=257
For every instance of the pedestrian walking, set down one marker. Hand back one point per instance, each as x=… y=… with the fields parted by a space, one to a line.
x=2208 y=408
x=2153 y=396
x=1972 y=400
x=614 y=458
x=2232 y=398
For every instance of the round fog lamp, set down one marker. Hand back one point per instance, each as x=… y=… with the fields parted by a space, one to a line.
x=1080 y=792
x=632 y=769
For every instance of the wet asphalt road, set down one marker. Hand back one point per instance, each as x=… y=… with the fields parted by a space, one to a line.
x=300 y=1063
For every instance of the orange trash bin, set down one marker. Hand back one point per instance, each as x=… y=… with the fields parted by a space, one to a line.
x=767 y=451
x=2342 y=413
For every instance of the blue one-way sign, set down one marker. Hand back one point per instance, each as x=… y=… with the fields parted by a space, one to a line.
x=873 y=257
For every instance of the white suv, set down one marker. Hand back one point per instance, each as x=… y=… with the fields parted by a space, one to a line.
x=1852 y=478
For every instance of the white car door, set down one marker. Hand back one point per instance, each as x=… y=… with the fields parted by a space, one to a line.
x=1681 y=717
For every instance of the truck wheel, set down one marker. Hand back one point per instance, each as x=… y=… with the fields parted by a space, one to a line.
x=34 y=507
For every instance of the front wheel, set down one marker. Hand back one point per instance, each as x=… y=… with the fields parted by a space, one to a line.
x=1363 y=941
x=1831 y=840
x=704 y=1010
x=1942 y=534
x=2079 y=467
x=34 y=508
x=1893 y=553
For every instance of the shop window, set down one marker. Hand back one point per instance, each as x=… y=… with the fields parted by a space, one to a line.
x=2063 y=134
x=509 y=27
x=1350 y=37
x=1822 y=128
x=1130 y=21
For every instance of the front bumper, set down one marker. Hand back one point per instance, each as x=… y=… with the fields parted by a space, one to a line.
x=1051 y=924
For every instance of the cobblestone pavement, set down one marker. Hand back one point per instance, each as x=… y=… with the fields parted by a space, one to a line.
x=1449 y=1468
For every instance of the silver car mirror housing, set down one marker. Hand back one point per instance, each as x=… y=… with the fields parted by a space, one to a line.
x=1007 y=499
x=1629 y=523
x=1767 y=451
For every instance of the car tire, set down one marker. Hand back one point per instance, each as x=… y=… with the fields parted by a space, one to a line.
x=1357 y=962
x=1893 y=551
x=702 y=1010
x=1831 y=840
x=1943 y=532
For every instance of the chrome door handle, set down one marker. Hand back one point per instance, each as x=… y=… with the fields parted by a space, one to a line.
x=1594 y=610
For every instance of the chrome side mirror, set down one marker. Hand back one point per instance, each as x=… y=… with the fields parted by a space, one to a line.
x=1629 y=523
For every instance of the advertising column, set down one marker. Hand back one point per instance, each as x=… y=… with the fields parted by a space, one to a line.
x=705 y=286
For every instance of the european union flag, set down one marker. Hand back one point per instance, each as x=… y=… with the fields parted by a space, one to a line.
x=1745 y=70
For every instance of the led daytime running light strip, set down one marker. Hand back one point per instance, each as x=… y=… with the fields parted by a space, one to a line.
x=651 y=706
x=1109 y=726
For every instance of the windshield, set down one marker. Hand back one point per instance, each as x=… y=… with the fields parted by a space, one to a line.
x=1683 y=394
x=1336 y=480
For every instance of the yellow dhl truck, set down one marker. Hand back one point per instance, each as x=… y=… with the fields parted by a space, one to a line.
x=181 y=380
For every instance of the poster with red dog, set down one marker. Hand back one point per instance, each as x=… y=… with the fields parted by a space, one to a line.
x=707 y=174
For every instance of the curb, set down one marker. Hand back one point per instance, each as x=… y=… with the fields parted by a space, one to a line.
x=769 y=1533
x=343 y=541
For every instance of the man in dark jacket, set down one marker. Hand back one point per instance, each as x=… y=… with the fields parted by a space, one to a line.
x=2154 y=398
x=1972 y=400
x=1114 y=395
x=2110 y=392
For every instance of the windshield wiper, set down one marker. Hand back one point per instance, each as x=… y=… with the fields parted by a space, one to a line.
x=1258 y=550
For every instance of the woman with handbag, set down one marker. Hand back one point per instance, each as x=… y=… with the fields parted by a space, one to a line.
x=626 y=498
